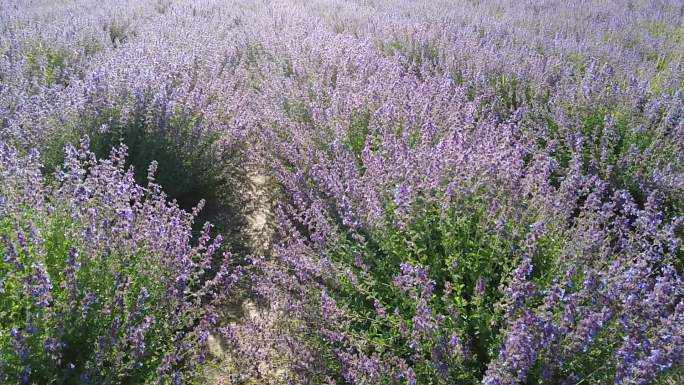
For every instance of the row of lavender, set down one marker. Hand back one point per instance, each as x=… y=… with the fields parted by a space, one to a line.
x=105 y=279
x=487 y=191
x=473 y=194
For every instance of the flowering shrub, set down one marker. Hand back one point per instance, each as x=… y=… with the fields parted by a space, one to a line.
x=458 y=279
x=100 y=281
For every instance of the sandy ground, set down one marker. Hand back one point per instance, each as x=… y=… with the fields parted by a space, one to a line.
x=256 y=322
x=258 y=231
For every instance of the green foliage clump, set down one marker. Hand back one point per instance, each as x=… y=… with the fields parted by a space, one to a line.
x=468 y=263
x=47 y=63
x=194 y=163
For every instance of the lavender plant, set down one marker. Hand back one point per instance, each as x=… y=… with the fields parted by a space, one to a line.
x=495 y=282
x=100 y=281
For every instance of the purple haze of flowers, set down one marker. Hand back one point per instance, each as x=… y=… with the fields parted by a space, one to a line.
x=543 y=112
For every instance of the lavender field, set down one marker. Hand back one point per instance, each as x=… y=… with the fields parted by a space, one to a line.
x=342 y=192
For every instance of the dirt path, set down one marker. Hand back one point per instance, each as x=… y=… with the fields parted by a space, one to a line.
x=257 y=222
x=255 y=332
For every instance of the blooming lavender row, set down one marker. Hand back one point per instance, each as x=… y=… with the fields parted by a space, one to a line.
x=461 y=225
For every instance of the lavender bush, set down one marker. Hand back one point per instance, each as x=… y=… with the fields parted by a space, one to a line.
x=100 y=281
x=416 y=266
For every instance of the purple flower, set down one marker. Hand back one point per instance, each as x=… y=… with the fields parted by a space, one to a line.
x=329 y=310
x=53 y=345
x=70 y=274
x=402 y=196
x=526 y=338
x=19 y=344
x=480 y=287
x=85 y=377
x=40 y=284
x=89 y=299
x=136 y=335
x=520 y=290
x=25 y=375
x=379 y=309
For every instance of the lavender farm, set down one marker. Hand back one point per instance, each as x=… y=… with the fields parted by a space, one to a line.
x=341 y=192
